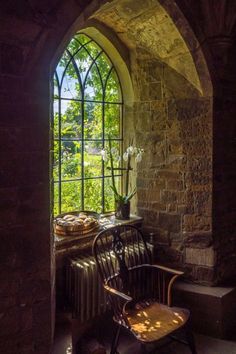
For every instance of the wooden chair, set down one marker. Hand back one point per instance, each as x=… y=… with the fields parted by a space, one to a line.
x=139 y=292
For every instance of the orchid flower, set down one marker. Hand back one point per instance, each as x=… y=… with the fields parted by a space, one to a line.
x=112 y=154
x=104 y=155
x=130 y=150
x=125 y=156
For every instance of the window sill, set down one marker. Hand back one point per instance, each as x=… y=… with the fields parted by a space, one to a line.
x=63 y=243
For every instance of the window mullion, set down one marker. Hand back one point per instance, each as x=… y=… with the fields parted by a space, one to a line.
x=103 y=143
x=59 y=150
x=82 y=150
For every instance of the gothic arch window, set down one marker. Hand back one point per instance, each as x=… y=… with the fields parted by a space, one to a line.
x=87 y=106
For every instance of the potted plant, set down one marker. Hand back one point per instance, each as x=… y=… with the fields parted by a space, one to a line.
x=122 y=200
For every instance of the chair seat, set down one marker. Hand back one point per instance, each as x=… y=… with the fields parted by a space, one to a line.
x=151 y=321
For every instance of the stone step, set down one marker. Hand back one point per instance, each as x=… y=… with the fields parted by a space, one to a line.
x=213 y=309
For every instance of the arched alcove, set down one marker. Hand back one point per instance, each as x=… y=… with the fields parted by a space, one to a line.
x=168 y=110
x=32 y=48
x=171 y=116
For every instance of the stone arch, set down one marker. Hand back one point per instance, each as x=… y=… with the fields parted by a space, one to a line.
x=169 y=186
x=33 y=32
x=170 y=113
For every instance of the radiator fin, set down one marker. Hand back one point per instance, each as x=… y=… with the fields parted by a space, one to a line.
x=84 y=288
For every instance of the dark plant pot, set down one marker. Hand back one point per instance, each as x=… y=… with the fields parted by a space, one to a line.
x=122 y=210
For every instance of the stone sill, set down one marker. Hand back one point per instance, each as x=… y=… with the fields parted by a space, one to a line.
x=63 y=243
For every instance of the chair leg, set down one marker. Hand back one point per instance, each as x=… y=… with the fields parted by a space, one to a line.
x=115 y=340
x=190 y=339
x=143 y=348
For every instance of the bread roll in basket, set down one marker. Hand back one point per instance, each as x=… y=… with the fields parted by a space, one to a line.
x=76 y=223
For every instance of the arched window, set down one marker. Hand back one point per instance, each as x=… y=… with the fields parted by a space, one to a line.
x=88 y=107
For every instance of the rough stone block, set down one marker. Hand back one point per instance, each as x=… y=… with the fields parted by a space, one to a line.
x=168 y=196
x=196 y=222
x=203 y=257
x=170 y=222
x=198 y=239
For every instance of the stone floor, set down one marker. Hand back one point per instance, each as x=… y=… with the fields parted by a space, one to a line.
x=204 y=344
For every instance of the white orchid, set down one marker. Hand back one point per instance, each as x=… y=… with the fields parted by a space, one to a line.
x=130 y=150
x=125 y=156
x=104 y=155
x=112 y=154
x=138 y=158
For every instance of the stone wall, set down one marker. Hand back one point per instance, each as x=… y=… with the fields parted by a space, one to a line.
x=172 y=121
x=25 y=252
x=214 y=25
x=27 y=260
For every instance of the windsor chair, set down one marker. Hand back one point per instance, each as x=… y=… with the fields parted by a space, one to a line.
x=139 y=292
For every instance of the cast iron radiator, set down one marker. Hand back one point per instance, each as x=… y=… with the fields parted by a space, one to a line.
x=84 y=288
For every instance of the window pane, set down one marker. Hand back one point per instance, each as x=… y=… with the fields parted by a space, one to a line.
x=83 y=62
x=71 y=196
x=93 y=195
x=76 y=43
x=70 y=87
x=92 y=120
x=112 y=120
x=93 y=90
x=71 y=119
x=61 y=66
x=109 y=204
x=113 y=93
x=92 y=159
x=70 y=159
x=55 y=87
x=93 y=49
x=115 y=145
x=56 y=199
x=56 y=118
x=104 y=66
x=82 y=38
x=56 y=161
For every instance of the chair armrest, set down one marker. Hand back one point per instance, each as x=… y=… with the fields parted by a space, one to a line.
x=115 y=292
x=168 y=270
x=174 y=274
x=119 y=303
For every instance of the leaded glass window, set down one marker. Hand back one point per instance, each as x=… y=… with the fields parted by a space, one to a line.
x=87 y=111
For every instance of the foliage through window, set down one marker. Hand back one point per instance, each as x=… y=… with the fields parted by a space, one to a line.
x=87 y=111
